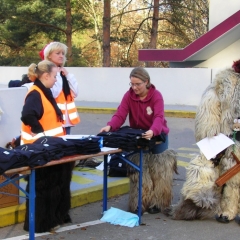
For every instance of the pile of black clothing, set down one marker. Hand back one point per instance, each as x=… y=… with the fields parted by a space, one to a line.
x=46 y=149
x=129 y=139
x=52 y=184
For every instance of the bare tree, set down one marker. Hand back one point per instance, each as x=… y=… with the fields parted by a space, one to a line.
x=154 y=30
x=69 y=29
x=106 y=33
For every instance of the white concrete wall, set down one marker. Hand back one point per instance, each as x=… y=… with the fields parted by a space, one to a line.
x=11 y=102
x=219 y=10
x=11 y=73
x=179 y=86
x=224 y=58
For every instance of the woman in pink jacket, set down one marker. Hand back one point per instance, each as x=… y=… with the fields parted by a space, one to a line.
x=145 y=106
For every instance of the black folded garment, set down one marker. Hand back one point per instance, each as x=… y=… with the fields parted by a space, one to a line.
x=87 y=145
x=129 y=139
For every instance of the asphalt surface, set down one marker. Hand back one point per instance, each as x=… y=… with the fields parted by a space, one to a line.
x=85 y=219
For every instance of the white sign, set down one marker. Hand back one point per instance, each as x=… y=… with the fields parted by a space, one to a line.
x=210 y=147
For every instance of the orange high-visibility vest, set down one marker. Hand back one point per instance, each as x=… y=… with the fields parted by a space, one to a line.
x=49 y=121
x=68 y=106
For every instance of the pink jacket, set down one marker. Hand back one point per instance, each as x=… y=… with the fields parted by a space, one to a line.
x=146 y=114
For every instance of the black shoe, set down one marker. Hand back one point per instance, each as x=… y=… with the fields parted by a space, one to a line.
x=237 y=220
x=222 y=219
x=67 y=219
x=153 y=210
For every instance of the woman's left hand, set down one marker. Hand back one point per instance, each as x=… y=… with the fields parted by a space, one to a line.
x=148 y=134
x=64 y=71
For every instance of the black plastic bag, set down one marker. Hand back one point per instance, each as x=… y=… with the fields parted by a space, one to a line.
x=117 y=167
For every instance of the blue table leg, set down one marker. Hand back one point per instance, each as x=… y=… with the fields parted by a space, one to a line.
x=105 y=184
x=140 y=186
x=32 y=205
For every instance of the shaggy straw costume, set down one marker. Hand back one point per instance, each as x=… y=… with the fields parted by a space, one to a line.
x=201 y=197
x=157 y=179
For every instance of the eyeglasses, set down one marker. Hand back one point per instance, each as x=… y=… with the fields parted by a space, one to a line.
x=135 y=84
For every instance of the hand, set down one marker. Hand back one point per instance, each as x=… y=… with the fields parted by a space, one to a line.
x=63 y=70
x=60 y=118
x=148 y=134
x=105 y=129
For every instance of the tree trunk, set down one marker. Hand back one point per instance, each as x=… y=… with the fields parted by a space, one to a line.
x=69 y=30
x=106 y=33
x=98 y=34
x=154 y=30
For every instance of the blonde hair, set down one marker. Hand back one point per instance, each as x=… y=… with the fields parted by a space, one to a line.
x=37 y=70
x=53 y=46
x=142 y=74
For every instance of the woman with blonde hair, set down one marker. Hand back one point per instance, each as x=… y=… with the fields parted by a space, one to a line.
x=40 y=114
x=65 y=88
x=42 y=117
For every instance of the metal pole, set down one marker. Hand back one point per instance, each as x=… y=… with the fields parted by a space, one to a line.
x=105 y=183
x=140 y=186
x=32 y=195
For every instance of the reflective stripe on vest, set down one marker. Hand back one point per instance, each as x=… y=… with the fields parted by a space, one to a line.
x=61 y=106
x=53 y=132
x=49 y=122
x=28 y=138
x=73 y=116
x=68 y=106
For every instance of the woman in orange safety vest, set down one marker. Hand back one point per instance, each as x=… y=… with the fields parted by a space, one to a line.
x=41 y=115
x=65 y=88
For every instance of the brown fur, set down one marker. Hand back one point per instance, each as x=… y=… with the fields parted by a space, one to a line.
x=230 y=200
x=219 y=106
x=199 y=190
x=188 y=210
x=147 y=185
x=201 y=198
x=157 y=178
x=162 y=167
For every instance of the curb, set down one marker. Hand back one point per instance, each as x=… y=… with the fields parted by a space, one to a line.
x=96 y=110
x=168 y=113
x=16 y=214
x=94 y=194
x=180 y=114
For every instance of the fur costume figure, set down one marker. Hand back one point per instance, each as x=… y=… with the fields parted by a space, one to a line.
x=157 y=180
x=53 y=197
x=230 y=200
x=147 y=185
x=201 y=197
